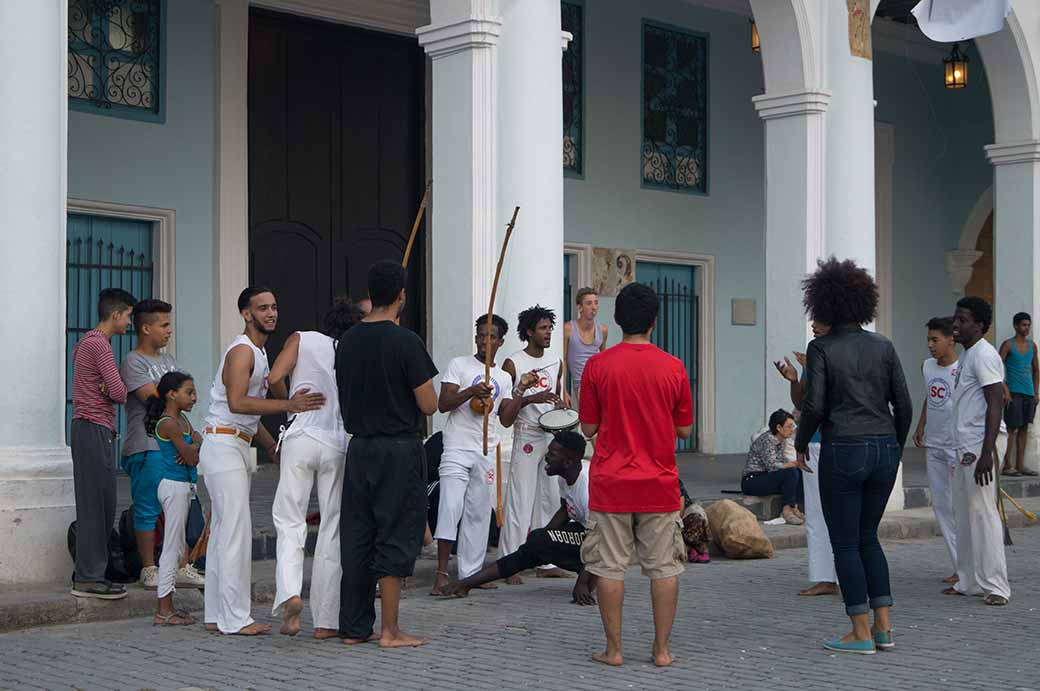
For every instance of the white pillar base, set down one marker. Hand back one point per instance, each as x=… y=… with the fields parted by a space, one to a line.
x=37 y=504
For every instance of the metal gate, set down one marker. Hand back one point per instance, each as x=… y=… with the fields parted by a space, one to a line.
x=677 y=325
x=102 y=253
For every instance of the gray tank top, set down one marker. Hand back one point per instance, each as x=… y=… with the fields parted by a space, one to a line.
x=579 y=352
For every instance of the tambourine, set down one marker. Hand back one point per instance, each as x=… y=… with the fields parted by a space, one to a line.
x=558 y=420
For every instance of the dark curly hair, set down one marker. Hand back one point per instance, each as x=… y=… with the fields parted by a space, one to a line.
x=496 y=321
x=981 y=311
x=529 y=318
x=156 y=406
x=344 y=314
x=840 y=292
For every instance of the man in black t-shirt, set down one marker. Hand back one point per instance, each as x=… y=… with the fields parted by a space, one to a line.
x=385 y=380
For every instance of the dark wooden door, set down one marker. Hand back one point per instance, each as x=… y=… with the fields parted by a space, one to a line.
x=336 y=152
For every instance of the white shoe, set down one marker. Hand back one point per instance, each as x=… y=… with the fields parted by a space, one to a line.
x=188 y=577
x=149 y=577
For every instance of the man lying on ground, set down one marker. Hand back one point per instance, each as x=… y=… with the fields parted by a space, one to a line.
x=559 y=542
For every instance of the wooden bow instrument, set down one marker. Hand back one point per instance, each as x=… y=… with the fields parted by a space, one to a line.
x=491 y=313
x=415 y=225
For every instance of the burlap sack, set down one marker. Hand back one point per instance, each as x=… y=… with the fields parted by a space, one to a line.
x=736 y=531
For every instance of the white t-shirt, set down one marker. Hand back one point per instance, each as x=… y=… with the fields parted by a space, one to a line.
x=548 y=368
x=576 y=497
x=939 y=383
x=980 y=366
x=465 y=429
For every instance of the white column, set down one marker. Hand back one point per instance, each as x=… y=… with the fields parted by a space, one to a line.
x=794 y=125
x=530 y=160
x=461 y=40
x=1016 y=241
x=36 y=491
x=849 y=183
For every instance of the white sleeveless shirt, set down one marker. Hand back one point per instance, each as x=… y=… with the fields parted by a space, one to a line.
x=219 y=413
x=547 y=378
x=316 y=370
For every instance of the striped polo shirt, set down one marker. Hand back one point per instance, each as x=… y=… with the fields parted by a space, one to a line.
x=93 y=365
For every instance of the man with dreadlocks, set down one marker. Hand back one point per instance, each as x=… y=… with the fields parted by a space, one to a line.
x=532 y=497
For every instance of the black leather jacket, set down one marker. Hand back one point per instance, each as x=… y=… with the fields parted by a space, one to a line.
x=851 y=378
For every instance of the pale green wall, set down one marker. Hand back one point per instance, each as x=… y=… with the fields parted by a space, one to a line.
x=608 y=208
x=939 y=174
x=172 y=166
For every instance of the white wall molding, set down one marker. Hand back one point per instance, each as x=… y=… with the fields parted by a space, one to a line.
x=583 y=255
x=960 y=264
x=1011 y=153
x=394 y=16
x=440 y=40
x=976 y=219
x=770 y=106
x=164 y=244
x=705 y=264
x=233 y=166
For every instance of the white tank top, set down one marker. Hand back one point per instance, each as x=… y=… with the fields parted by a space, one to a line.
x=219 y=413
x=546 y=382
x=316 y=370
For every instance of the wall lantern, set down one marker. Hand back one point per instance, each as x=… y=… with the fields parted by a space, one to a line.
x=956 y=69
x=756 y=43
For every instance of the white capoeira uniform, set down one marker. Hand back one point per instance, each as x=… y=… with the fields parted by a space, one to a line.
x=981 y=562
x=226 y=464
x=941 y=448
x=467 y=476
x=532 y=497
x=313 y=446
x=818 y=539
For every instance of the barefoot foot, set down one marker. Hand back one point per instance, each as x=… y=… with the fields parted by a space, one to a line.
x=820 y=589
x=401 y=640
x=372 y=637
x=662 y=656
x=608 y=658
x=323 y=634
x=438 y=589
x=212 y=628
x=254 y=629
x=291 y=616
x=515 y=580
x=951 y=579
x=488 y=586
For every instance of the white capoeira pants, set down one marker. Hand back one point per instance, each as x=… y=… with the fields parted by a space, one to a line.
x=981 y=562
x=467 y=490
x=942 y=467
x=175 y=499
x=229 y=555
x=303 y=459
x=821 y=558
x=532 y=497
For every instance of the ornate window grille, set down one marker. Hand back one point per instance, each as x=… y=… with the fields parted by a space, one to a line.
x=675 y=109
x=572 y=20
x=116 y=57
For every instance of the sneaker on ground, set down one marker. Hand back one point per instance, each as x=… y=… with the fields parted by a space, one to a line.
x=791 y=517
x=149 y=577
x=100 y=591
x=188 y=577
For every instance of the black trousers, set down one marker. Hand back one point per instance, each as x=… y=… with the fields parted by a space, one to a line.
x=381 y=523
x=561 y=547
x=786 y=481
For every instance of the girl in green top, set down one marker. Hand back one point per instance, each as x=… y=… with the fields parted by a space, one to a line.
x=166 y=419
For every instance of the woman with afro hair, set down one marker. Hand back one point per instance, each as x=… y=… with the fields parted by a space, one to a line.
x=856 y=394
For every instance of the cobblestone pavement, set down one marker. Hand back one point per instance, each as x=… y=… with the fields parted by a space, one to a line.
x=740 y=626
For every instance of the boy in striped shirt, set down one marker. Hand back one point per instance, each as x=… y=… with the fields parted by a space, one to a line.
x=96 y=389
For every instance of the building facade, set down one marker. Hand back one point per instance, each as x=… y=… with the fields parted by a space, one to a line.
x=185 y=149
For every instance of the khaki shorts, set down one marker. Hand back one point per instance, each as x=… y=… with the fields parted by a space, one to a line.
x=654 y=538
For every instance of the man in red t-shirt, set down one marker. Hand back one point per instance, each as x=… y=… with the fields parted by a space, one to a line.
x=636 y=400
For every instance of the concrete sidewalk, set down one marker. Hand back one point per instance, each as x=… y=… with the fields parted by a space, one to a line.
x=48 y=605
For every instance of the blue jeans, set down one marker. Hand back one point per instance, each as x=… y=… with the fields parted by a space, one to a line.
x=856 y=478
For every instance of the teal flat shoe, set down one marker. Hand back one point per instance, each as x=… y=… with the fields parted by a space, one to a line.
x=858 y=647
x=883 y=640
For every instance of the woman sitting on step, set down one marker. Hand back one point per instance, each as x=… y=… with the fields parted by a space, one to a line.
x=768 y=471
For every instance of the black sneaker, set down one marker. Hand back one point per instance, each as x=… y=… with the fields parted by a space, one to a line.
x=100 y=591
